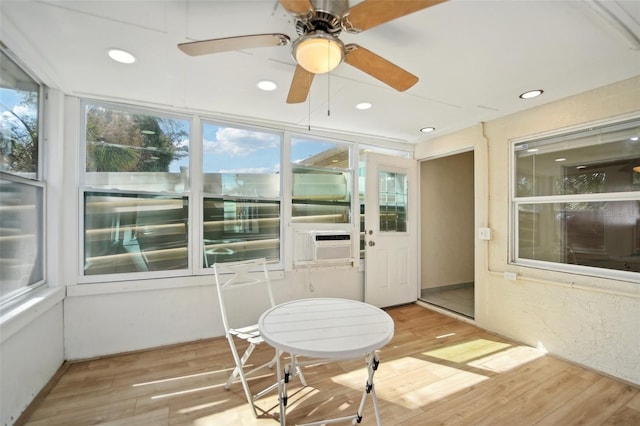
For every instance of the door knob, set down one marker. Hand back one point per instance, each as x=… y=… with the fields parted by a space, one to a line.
x=372 y=243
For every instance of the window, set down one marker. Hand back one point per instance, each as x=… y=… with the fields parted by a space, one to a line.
x=322 y=181
x=22 y=193
x=242 y=197
x=577 y=201
x=134 y=232
x=136 y=191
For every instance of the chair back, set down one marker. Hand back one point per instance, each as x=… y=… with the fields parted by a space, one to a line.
x=244 y=291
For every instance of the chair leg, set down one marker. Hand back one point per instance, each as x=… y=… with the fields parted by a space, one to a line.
x=239 y=366
x=239 y=372
x=297 y=370
x=272 y=362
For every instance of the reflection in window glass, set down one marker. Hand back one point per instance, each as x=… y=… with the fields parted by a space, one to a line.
x=322 y=181
x=392 y=199
x=321 y=196
x=599 y=234
x=134 y=150
x=319 y=154
x=126 y=233
x=599 y=160
x=240 y=229
x=594 y=217
x=19 y=101
x=241 y=162
x=21 y=242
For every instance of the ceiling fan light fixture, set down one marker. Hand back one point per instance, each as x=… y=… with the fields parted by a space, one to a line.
x=318 y=52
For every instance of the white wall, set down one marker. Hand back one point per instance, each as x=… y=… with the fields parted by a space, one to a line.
x=594 y=322
x=30 y=353
x=100 y=321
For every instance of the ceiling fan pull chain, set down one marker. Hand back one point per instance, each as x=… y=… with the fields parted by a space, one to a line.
x=328 y=81
x=309 y=109
x=329 y=94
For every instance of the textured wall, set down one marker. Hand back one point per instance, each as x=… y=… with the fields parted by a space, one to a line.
x=591 y=321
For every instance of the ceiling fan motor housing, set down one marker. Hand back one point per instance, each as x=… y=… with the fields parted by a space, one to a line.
x=327 y=17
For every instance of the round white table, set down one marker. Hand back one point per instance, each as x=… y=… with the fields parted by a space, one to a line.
x=331 y=329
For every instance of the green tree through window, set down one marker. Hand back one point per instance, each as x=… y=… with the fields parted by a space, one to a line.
x=118 y=141
x=19 y=135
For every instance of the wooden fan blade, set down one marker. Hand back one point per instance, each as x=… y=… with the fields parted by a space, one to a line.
x=378 y=67
x=371 y=13
x=298 y=7
x=300 y=86
x=216 y=45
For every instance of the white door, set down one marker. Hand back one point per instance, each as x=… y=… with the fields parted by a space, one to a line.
x=391 y=233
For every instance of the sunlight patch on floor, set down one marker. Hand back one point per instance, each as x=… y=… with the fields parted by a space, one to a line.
x=186 y=391
x=424 y=395
x=202 y=406
x=467 y=351
x=508 y=359
x=438 y=373
x=188 y=376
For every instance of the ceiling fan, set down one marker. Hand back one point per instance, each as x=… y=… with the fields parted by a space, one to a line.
x=318 y=49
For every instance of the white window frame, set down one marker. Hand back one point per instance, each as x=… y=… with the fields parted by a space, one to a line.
x=201 y=195
x=351 y=170
x=515 y=202
x=38 y=181
x=82 y=189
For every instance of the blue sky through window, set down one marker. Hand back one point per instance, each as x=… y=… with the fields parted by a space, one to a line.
x=235 y=150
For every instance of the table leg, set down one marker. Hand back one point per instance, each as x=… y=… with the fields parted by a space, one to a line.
x=281 y=391
x=373 y=360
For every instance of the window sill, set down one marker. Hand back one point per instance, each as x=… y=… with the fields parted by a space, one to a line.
x=114 y=287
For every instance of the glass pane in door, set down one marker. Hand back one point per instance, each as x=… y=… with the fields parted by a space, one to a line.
x=392 y=200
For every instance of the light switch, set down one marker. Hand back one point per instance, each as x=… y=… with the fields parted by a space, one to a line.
x=484 y=233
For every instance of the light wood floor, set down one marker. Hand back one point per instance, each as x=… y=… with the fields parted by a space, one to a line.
x=436 y=370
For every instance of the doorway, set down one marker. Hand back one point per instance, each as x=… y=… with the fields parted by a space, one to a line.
x=447 y=233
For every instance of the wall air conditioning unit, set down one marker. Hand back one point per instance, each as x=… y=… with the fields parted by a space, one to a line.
x=323 y=248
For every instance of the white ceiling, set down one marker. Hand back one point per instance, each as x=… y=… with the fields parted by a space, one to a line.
x=473 y=58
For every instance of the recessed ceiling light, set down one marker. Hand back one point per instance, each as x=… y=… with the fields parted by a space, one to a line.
x=531 y=94
x=634 y=138
x=560 y=159
x=427 y=129
x=364 y=105
x=581 y=167
x=267 y=85
x=121 y=56
x=533 y=150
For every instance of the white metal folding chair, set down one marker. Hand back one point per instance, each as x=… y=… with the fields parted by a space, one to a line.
x=244 y=292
